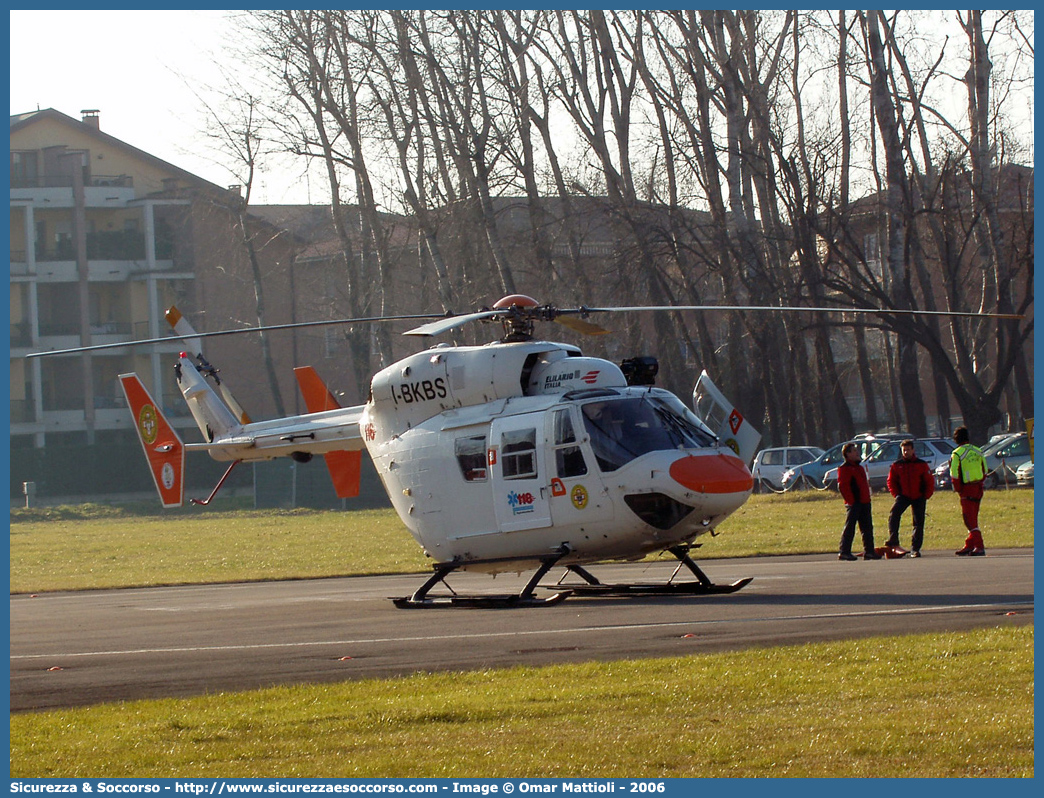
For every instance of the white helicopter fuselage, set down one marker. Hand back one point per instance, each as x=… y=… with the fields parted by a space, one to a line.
x=501 y=457
x=495 y=457
x=498 y=455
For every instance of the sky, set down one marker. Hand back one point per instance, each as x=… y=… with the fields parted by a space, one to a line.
x=139 y=70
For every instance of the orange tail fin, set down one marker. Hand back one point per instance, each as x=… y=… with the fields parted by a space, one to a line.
x=345 y=467
x=345 y=471
x=161 y=444
x=316 y=395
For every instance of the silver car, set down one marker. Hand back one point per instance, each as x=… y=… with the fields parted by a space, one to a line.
x=934 y=451
x=770 y=464
x=810 y=475
x=1003 y=455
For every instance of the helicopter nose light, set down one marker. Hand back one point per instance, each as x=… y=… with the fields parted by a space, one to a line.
x=712 y=474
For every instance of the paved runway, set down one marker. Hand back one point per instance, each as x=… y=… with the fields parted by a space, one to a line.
x=74 y=649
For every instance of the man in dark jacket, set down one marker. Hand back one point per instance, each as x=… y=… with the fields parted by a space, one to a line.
x=911 y=482
x=855 y=489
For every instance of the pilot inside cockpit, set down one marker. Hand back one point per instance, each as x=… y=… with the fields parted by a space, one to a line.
x=626 y=428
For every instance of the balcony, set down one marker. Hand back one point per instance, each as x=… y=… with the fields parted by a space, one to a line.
x=55 y=329
x=66 y=181
x=125 y=247
x=106 y=245
x=109 y=402
x=64 y=420
x=122 y=245
x=21 y=335
x=21 y=411
x=117 y=328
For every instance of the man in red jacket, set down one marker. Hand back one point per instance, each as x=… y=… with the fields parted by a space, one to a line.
x=855 y=488
x=911 y=482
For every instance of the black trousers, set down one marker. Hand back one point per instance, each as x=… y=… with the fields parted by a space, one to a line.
x=896 y=514
x=858 y=514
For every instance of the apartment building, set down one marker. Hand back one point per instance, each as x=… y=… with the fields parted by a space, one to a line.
x=92 y=262
x=104 y=237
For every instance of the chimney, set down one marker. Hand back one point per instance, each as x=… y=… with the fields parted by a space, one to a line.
x=90 y=117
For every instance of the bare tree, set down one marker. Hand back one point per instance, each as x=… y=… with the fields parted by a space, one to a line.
x=739 y=157
x=934 y=221
x=237 y=128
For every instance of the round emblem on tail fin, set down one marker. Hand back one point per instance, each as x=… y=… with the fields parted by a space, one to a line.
x=167 y=476
x=147 y=423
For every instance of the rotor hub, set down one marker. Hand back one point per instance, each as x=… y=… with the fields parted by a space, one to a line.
x=518 y=317
x=515 y=301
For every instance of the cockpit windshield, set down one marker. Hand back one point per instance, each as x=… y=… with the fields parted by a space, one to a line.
x=625 y=428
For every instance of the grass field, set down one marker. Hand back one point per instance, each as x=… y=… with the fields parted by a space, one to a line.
x=937 y=705
x=74 y=548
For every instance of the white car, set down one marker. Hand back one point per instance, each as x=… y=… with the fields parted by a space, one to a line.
x=770 y=464
x=810 y=475
x=1024 y=474
x=934 y=451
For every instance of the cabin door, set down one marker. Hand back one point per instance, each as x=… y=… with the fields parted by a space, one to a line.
x=518 y=472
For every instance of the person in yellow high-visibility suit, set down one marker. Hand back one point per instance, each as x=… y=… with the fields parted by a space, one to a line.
x=967 y=472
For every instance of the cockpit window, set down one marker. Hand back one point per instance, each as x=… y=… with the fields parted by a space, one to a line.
x=623 y=429
x=569 y=459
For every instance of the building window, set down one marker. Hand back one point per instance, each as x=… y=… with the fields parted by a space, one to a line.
x=24 y=170
x=872 y=250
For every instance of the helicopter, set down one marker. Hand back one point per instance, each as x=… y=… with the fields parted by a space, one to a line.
x=517 y=455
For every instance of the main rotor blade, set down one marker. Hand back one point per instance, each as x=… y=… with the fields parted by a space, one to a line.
x=452 y=322
x=444 y=323
x=292 y=326
x=582 y=326
x=874 y=311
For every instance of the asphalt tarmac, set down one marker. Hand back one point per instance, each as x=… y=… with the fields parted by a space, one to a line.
x=82 y=648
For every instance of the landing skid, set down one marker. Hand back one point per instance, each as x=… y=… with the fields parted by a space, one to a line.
x=524 y=598
x=703 y=586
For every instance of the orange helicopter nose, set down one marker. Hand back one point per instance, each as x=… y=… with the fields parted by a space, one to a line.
x=712 y=474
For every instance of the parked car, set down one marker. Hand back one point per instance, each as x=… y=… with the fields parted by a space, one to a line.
x=810 y=475
x=1003 y=456
x=769 y=464
x=1024 y=474
x=934 y=451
